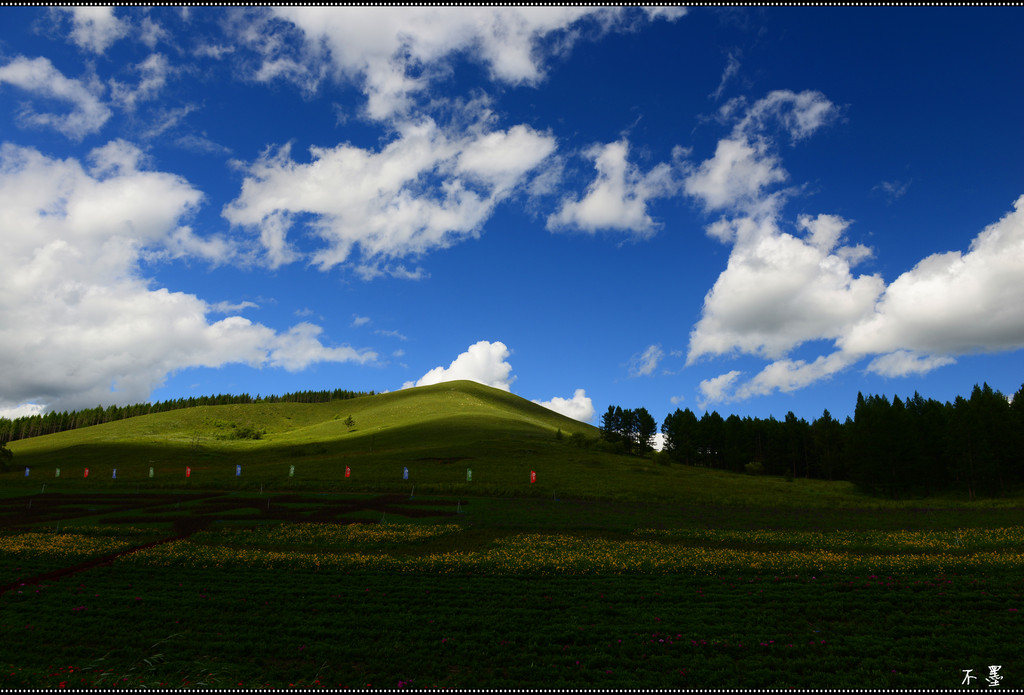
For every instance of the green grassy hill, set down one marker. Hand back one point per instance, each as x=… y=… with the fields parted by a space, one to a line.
x=437 y=432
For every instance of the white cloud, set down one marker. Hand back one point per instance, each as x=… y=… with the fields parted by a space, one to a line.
x=949 y=304
x=779 y=291
x=153 y=72
x=425 y=190
x=360 y=320
x=391 y=334
x=644 y=363
x=393 y=53
x=659 y=441
x=800 y=114
x=731 y=68
x=201 y=144
x=669 y=12
x=78 y=324
x=676 y=400
x=151 y=33
x=736 y=176
x=301 y=347
x=483 y=362
x=26 y=410
x=579 y=407
x=893 y=190
x=789 y=375
x=744 y=164
x=94 y=28
x=716 y=388
x=229 y=308
x=39 y=76
x=904 y=362
x=953 y=303
x=618 y=196
x=214 y=51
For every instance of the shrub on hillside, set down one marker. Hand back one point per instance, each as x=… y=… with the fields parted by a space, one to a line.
x=580 y=440
x=246 y=432
x=606 y=446
x=6 y=455
x=754 y=468
x=661 y=458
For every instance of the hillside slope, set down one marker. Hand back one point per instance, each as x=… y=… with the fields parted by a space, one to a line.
x=439 y=433
x=428 y=427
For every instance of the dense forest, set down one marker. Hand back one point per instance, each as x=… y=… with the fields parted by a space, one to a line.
x=38 y=425
x=898 y=448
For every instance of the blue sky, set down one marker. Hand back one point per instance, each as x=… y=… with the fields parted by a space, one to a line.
x=751 y=210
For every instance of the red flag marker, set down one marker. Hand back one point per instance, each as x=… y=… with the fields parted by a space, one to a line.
x=86 y=473
x=348 y=471
x=533 y=476
x=188 y=471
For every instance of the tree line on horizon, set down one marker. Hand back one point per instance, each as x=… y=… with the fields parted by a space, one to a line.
x=52 y=422
x=899 y=448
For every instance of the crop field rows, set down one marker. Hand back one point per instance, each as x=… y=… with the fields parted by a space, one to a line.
x=386 y=605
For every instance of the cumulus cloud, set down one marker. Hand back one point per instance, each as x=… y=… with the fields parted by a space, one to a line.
x=425 y=190
x=300 y=347
x=483 y=362
x=644 y=363
x=954 y=303
x=78 y=324
x=393 y=53
x=617 y=198
x=94 y=28
x=745 y=164
x=40 y=77
x=735 y=176
x=779 y=291
x=579 y=407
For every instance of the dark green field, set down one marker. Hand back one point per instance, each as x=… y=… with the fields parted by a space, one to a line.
x=609 y=571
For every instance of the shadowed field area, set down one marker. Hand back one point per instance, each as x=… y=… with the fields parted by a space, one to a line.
x=610 y=571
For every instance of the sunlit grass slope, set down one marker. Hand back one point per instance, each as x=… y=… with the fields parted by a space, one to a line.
x=437 y=432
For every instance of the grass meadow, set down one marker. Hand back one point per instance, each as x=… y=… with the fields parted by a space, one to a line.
x=608 y=572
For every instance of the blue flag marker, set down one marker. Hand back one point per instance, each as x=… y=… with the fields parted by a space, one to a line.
x=405 y=474
x=26 y=471
x=238 y=471
x=115 y=474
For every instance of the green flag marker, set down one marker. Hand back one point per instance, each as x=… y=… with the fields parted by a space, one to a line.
x=469 y=475
x=58 y=474
x=150 y=471
x=291 y=472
